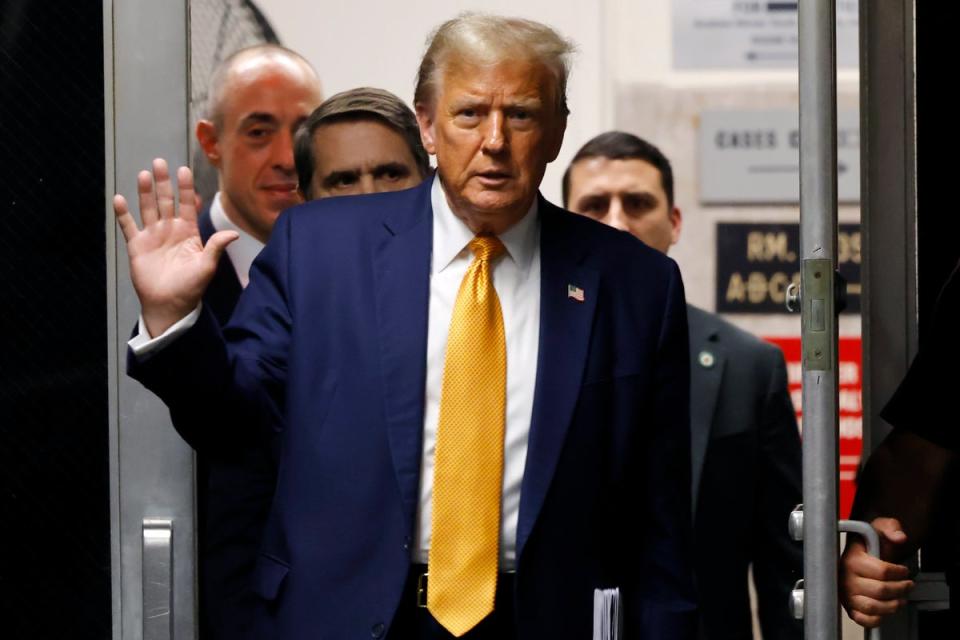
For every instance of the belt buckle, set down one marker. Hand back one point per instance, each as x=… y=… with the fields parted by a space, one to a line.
x=422 y=590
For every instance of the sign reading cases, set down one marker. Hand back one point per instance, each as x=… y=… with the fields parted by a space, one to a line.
x=756 y=262
x=753 y=156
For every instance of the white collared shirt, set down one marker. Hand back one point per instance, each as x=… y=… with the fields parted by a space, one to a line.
x=242 y=251
x=516 y=278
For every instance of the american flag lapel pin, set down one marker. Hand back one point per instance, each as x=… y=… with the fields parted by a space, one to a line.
x=575 y=292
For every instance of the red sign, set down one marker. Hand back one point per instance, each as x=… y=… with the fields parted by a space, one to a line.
x=851 y=407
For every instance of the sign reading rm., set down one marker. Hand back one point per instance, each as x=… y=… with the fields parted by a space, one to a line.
x=757 y=261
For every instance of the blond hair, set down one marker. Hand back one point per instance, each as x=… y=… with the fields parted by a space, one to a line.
x=489 y=39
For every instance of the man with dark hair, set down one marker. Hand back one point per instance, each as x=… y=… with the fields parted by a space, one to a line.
x=745 y=448
x=616 y=145
x=359 y=141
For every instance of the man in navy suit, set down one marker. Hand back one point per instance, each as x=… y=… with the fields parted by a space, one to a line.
x=261 y=112
x=745 y=444
x=341 y=338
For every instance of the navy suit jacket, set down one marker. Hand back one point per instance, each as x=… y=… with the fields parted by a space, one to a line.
x=235 y=483
x=224 y=290
x=746 y=480
x=331 y=333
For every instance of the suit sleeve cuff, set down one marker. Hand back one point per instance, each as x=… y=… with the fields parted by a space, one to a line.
x=142 y=345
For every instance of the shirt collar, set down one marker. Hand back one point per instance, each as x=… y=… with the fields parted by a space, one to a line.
x=241 y=251
x=451 y=235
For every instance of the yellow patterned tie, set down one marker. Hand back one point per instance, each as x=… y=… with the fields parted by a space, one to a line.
x=468 y=468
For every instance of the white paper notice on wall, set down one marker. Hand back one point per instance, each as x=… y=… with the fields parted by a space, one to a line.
x=750 y=34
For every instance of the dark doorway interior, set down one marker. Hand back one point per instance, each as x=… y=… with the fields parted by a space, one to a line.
x=938 y=250
x=54 y=491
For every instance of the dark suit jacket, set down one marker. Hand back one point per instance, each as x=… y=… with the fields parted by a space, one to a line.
x=234 y=489
x=746 y=479
x=224 y=290
x=331 y=333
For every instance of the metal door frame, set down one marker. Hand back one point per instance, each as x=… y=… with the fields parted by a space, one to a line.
x=888 y=122
x=146 y=105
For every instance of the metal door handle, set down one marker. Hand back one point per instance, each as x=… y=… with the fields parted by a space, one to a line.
x=157 y=579
x=795 y=526
x=873 y=548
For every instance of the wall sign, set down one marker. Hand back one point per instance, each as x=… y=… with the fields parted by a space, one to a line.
x=753 y=156
x=750 y=34
x=757 y=261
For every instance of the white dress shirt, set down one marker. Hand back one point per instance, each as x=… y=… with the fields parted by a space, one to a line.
x=516 y=278
x=242 y=251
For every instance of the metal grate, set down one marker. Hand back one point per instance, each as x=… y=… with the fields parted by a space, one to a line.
x=217 y=29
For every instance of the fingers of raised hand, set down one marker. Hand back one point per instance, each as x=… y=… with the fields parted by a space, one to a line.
x=148 y=200
x=161 y=175
x=188 y=198
x=155 y=193
x=128 y=226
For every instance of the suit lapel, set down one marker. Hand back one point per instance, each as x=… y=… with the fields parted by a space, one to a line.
x=401 y=267
x=224 y=290
x=706 y=373
x=564 y=340
x=205 y=225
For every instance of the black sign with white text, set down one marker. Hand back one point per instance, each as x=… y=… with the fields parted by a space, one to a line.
x=757 y=261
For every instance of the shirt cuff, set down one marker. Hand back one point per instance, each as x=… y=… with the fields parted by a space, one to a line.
x=142 y=345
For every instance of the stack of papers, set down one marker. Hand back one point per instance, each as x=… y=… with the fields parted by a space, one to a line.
x=607 y=615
